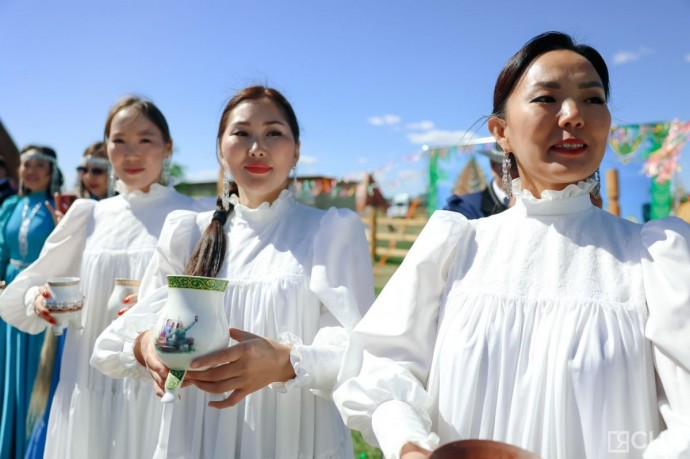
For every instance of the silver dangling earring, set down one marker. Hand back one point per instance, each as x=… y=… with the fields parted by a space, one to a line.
x=55 y=180
x=225 y=196
x=507 y=180
x=111 y=182
x=294 y=178
x=596 y=191
x=165 y=172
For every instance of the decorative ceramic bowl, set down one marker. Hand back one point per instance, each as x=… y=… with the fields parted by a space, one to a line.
x=65 y=303
x=480 y=449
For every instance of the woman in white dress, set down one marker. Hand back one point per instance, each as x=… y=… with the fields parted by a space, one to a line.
x=93 y=415
x=299 y=280
x=547 y=325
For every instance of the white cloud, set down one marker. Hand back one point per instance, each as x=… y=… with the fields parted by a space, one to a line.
x=421 y=126
x=307 y=160
x=440 y=137
x=623 y=57
x=687 y=57
x=385 y=120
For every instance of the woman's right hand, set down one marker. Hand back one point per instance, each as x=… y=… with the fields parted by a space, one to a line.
x=412 y=451
x=40 y=307
x=55 y=211
x=146 y=355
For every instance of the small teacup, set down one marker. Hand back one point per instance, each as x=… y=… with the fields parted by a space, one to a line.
x=123 y=288
x=65 y=303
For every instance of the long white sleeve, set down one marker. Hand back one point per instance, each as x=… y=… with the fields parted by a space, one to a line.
x=60 y=256
x=343 y=280
x=113 y=353
x=666 y=269
x=382 y=381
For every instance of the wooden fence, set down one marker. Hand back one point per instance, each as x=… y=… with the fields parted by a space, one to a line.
x=391 y=237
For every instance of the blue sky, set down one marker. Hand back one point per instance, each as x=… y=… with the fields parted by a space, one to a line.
x=370 y=80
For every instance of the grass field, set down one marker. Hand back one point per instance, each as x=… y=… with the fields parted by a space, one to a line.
x=362 y=449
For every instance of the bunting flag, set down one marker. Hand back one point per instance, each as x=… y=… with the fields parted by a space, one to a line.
x=662 y=163
x=659 y=145
x=636 y=141
x=626 y=140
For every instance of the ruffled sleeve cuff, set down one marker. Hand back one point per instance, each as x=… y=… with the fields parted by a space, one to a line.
x=302 y=376
x=36 y=323
x=130 y=364
x=29 y=299
x=396 y=423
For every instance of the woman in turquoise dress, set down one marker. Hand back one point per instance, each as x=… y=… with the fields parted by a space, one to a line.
x=25 y=223
x=93 y=172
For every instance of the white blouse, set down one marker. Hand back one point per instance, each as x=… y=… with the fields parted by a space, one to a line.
x=298 y=275
x=93 y=415
x=545 y=326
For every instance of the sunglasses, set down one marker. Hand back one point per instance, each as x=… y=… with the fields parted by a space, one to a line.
x=93 y=170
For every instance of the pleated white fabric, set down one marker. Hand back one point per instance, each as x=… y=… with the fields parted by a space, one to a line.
x=93 y=415
x=297 y=274
x=539 y=327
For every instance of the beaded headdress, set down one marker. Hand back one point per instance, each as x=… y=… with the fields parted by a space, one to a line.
x=34 y=153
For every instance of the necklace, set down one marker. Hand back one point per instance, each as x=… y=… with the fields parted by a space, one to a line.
x=24 y=228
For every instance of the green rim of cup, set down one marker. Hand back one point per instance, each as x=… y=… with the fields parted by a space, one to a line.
x=197 y=283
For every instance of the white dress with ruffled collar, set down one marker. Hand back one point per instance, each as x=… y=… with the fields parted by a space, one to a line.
x=296 y=274
x=544 y=326
x=93 y=415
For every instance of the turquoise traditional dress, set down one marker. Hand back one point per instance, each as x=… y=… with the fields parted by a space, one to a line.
x=25 y=224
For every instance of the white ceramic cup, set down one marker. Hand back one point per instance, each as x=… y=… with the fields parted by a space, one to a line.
x=122 y=289
x=65 y=303
x=191 y=324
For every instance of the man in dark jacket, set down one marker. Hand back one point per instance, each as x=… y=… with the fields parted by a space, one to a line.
x=489 y=201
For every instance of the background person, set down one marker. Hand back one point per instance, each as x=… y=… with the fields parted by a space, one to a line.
x=93 y=176
x=94 y=171
x=25 y=223
x=91 y=414
x=492 y=199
